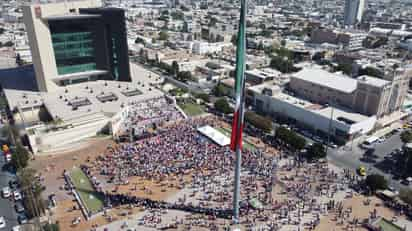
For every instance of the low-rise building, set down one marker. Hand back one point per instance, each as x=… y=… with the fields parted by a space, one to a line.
x=350 y=40
x=366 y=95
x=342 y=123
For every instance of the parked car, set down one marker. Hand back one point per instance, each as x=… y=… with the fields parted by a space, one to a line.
x=21 y=218
x=17 y=228
x=19 y=207
x=13 y=184
x=2 y=223
x=6 y=192
x=17 y=195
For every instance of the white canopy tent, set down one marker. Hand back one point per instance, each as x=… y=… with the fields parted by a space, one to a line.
x=215 y=135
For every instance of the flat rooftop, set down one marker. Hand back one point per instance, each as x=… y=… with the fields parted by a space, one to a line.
x=264 y=73
x=373 y=81
x=77 y=100
x=326 y=79
x=339 y=114
x=70 y=17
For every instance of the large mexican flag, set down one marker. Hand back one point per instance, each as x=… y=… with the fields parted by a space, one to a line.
x=237 y=124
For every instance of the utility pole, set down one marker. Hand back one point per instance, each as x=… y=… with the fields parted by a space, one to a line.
x=330 y=128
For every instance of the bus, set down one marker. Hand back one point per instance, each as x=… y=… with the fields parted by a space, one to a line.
x=367 y=144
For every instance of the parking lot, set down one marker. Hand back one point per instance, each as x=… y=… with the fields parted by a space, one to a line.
x=7 y=205
x=380 y=160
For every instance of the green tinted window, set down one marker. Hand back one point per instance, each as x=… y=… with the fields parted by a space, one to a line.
x=62 y=70
x=74 y=52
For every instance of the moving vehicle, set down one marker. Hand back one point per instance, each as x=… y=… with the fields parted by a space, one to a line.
x=2 y=223
x=6 y=192
x=368 y=143
x=362 y=171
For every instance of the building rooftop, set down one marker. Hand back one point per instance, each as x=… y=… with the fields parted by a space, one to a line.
x=339 y=114
x=264 y=73
x=77 y=100
x=324 y=78
x=70 y=16
x=373 y=81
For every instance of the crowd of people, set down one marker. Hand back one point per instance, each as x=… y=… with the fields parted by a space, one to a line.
x=143 y=116
x=176 y=149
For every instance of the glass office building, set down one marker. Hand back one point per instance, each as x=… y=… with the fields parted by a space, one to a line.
x=94 y=40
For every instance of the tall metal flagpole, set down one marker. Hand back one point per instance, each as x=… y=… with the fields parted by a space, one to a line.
x=238 y=117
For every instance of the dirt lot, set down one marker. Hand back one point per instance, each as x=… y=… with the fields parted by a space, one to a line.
x=51 y=168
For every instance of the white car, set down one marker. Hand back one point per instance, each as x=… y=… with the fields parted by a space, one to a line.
x=17 y=195
x=2 y=223
x=16 y=228
x=6 y=192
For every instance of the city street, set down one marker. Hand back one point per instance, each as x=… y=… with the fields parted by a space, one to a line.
x=7 y=205
x=350 y=157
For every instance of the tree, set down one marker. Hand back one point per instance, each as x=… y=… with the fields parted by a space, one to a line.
x=163 y=35
x=139 y=40
x=266 y=33
x=212 y=22
x=177 y=15
x=290 y=138
x=218 y=90
x=345 y=68
x=32 y=190
x=8 y=44
x=223 y=106
x=283 y=64
x=184 y=76
x=284 y=52
x=406 y=136
x=376 y=182
x=20 y=157
x=184 y=8
x=405 y=162
x=406 y=196
x=233 y=40
x=258 y=121
x=260 y=46
x=316 y=151
x=203 y=96
x=51 y=227
x=371 y=71
x=175 y=68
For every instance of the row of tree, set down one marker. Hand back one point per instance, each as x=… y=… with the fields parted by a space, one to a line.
x=297 y=143
x=29 y=183
x=221 y=105
x=258 y=121
x=405 y=160
x=290 y=138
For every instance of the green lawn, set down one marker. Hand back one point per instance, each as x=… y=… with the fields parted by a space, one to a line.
x=228 y=133
x=385 y=225
x=192 y=109
x=90 y=198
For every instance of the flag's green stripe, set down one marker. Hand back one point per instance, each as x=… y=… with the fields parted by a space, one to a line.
x=240 y=62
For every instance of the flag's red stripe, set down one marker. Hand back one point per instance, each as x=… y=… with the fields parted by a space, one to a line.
x=234 y=131
x=236 y=136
